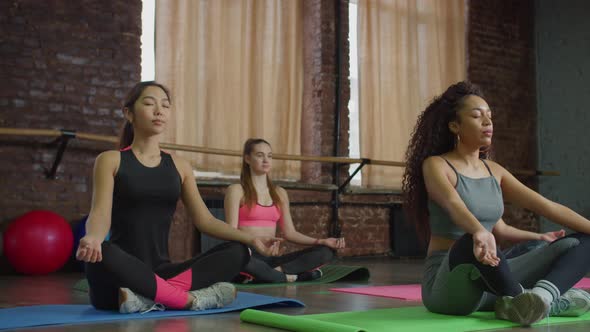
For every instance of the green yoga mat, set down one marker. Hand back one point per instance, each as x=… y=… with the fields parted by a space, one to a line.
x=330 y=273
x=416 y=319
x=81 y=285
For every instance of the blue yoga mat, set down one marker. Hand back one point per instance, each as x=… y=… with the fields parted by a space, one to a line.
x=41 y=315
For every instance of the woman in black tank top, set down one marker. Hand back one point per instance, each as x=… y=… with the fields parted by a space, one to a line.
x=135 y=194
x=455 y=198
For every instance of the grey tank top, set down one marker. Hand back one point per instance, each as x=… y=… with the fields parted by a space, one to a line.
x=483 y=198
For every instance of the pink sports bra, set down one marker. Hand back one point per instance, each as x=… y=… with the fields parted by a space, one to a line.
x=259 y=215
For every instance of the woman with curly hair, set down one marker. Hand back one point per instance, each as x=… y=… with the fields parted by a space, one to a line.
x=455 y=196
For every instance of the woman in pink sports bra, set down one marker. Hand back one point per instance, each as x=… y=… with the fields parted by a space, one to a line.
x=256 y=206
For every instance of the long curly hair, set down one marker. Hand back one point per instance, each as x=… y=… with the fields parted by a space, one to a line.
x=431 y=137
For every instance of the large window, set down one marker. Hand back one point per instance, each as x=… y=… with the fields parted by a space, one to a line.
x=408 y=52
x=353 y=104
x=402 y=53
x=148 y=62
x=148 y=70
x=249 y=85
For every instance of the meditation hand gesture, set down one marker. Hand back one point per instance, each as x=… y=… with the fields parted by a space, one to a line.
x=89 y=250
x=267 y=245
x=334 y=243
x=552 y=236
x=484 y=248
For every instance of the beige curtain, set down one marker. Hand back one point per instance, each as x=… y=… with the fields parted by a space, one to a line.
x=409 y=51
x=235 y=71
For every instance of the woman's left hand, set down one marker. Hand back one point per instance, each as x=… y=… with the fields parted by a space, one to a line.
x=267 y=245
x=552 y=236
x=334 y=243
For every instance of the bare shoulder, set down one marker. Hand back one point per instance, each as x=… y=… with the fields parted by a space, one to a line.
x=437 y=167
x=434 y=160
x=280 y=190
x=182 y=164
x=282 y=193
x=108 y=161
x=184 y=168
x=434 y=163
x=496 y=168
x=109 y=158
x=235 y=189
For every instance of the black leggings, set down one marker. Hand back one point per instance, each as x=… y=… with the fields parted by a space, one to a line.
x=563 y=272
x=262 y=268
x=120 y=269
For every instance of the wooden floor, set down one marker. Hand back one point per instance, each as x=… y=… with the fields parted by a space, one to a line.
x=57 y=289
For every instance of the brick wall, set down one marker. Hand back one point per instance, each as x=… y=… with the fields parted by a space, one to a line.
x=68 y=64
x=321 y=77
x=501 y=59
x=64 y=64
x=500 y=53
x=365 y=227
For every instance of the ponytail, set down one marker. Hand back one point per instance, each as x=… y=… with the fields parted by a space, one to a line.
x=126 y=137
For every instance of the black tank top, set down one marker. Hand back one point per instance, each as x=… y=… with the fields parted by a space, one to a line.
x=144 y=201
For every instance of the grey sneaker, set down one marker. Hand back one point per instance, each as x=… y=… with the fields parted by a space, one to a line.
x=525 y=309
x=129 y=302
x=215 y=296
x=573 y=303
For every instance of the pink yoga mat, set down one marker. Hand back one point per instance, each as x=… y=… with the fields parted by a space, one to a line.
x=405 y=292
x=584 y=283
x=412 y=292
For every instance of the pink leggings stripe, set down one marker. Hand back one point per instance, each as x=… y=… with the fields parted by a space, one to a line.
x=169 y=295
x=182 y=281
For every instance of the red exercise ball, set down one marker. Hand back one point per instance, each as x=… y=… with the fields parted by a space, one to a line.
x=39 y=242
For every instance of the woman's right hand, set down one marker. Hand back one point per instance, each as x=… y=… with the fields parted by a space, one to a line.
x=89 y=250
x=484 y=248
x=267 y=245
x=552 y=236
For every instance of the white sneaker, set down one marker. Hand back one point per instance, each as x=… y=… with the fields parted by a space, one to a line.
x=525 y=309
x=573 y=303
x=129 y=302
x=215 y=296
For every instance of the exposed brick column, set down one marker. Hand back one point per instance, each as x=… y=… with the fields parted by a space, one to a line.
x=319 y=86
